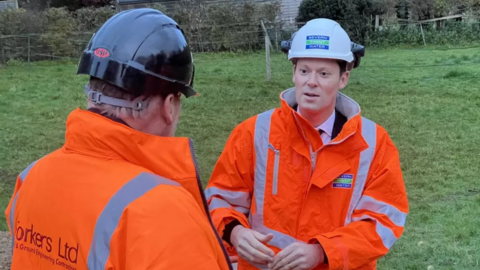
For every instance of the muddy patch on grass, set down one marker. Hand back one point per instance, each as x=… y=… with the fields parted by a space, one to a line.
x=5 y=250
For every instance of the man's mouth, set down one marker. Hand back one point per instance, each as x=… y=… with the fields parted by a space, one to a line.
x=311 y=94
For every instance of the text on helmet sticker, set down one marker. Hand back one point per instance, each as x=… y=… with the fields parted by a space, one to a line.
x=318 y=42
x=101 y=52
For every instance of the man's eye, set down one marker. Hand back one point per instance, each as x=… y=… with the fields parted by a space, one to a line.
x=324 y=73
x=303 y=70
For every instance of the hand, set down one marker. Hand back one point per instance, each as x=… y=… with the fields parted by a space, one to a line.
x=248 y=244
x=298 y=256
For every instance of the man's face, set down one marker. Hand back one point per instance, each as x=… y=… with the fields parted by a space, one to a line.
x=317 y=82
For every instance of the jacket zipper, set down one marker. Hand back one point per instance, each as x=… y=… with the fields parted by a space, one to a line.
x=275 y=169
x=313 y=156
x=205 y=205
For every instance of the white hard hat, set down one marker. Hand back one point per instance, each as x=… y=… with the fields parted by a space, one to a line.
x=321 y=38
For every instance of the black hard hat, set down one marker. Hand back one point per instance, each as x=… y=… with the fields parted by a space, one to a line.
x=141 y=51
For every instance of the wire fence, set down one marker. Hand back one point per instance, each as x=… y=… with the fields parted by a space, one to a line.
x=43 y=47
x=241 y=36
x=31 y=48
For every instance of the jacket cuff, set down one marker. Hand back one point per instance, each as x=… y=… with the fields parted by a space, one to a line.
x=325 y=260
x=228 y=230
x=334 y=252
x=222 y=218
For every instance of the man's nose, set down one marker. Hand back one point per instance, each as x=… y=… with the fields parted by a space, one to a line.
x=312 y=80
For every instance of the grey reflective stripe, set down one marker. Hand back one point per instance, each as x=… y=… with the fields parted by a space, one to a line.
x=233 y=197
x=261 y=141
x=12 y=220
x=279 y=240
x=219 y=203
x=358 y=201
x=25 y=172
x=22 y=176
x=370 y=204
x=387 y=235
x=275 y=169
x=108 y=220
x=369 y=133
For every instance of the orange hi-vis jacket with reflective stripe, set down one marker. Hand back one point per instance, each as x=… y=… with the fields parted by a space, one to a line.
x=276 y=176
x=113 y=198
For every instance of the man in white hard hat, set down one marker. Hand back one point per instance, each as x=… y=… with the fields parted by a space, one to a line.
x=312 y=184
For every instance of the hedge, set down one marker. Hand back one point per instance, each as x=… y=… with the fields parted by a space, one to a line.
x=59 y=33
x=452 y=33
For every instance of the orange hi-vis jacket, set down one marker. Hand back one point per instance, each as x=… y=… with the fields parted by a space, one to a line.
x=276 y=176
x=113 y=198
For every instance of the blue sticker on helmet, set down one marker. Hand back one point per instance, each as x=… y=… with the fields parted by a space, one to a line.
x=318 y=42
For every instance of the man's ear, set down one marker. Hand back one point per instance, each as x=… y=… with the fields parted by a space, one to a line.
x=293 y=73
x=168 y=108
x=344 y=79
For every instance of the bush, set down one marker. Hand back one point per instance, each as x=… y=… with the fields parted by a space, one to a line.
x=357 y=18
x=225 y=26
x=90 y=19
x=18 y=21
x=14 y=27
x=353 y=16
x=451 y=33
x=58 y=24
x=58 y=33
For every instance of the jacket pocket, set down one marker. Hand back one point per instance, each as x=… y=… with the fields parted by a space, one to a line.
x=275 y=169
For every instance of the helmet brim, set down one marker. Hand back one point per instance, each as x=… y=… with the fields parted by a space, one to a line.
x=345 y=57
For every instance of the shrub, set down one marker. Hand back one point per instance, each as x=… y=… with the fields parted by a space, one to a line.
x=225 y=26
x=451 y=33
x=353 y=16
x=15 y=25
x=57 y=32
x=90 y=19
x=58 y=25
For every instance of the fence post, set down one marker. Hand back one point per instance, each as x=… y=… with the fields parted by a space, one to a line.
x=276 y=38
x=268 y=45
x=3 y=51
x=267 y=58
x=28 y=48
x=423 y=35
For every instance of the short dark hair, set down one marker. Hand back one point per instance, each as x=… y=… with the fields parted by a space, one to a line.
x=343 y=66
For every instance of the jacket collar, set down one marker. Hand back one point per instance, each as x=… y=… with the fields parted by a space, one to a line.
x=299 y=125
x=91 y=134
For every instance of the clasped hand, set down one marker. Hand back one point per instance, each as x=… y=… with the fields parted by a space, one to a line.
x=298 y=256
x=250 y=246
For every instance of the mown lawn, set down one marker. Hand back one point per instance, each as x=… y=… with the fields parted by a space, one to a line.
x=428 y=100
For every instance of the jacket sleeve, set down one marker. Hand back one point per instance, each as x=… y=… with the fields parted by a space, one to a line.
x=230 y=188
x=8 y=210
x=378 y=218
x=165 y=229
x=11 y=205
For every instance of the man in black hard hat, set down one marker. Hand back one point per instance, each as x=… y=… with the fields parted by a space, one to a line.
x=122 y=192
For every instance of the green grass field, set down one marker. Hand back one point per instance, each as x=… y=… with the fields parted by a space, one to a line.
x=428 y=100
